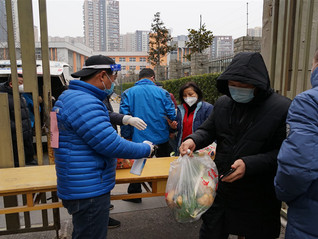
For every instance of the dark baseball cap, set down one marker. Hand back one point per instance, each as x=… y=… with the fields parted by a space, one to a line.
x=94 y=64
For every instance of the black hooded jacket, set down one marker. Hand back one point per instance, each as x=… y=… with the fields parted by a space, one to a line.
x=252 y=132
x=26 y=125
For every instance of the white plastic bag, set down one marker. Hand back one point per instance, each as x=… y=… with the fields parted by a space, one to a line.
x=191 y=186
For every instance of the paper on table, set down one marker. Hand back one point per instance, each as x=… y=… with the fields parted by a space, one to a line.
x=138 y=166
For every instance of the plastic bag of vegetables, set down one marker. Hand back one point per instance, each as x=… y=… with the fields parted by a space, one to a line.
x=191 y=186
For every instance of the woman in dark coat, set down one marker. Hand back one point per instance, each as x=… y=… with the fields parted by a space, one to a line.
x=248 y=123
x=192 y=111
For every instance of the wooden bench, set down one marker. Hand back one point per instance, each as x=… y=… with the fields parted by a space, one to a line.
x=36 y=180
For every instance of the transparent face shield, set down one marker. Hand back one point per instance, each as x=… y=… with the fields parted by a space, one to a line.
x=114 y=67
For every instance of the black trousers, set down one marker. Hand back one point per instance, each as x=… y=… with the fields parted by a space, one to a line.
x=214 y=224
x=28 y=152
x=163 y=150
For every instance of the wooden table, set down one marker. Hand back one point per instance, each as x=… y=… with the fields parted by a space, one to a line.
x=32 y=181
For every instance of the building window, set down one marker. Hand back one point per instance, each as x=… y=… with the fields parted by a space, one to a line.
x=122 y=59
x=132 y=68
x=123 y=68
x=142 y=67
x=132 y=59
x=142 y=59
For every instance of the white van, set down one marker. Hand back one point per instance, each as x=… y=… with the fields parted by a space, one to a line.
x=59 y=75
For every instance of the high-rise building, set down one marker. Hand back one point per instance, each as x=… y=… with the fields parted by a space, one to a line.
x=142 y=41
x=128 y=42
x=255 y=32
x=135 y=42
x=3 y=21
x=101 y=24
x=221 y=46
x=112 y=25
x=181 y=49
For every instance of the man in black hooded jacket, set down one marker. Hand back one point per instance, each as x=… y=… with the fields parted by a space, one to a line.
x=6 y=87
x=248 y=124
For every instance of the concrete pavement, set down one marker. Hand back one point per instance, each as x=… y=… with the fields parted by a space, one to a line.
x=151 y=219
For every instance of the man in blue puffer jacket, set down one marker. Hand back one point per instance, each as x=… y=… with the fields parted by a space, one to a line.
x=296 y=181
x=88 y=147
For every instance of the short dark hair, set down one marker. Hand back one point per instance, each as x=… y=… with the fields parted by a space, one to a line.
x=10 y=77
x=146 y=73
x=85 y=78
x=194 y=86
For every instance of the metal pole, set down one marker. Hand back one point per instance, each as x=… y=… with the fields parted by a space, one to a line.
x=15 y=85
x=47 y=91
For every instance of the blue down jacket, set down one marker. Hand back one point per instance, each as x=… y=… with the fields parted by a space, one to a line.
x=296 y=181
x=151 y=104
x=88 y=144
x=201 y=113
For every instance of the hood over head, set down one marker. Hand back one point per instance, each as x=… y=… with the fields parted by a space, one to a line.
x=249 y=68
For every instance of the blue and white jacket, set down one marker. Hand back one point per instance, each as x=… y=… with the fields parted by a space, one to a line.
x=201 y=113
x=296 y=181
x=88 y=144
x=151 y=104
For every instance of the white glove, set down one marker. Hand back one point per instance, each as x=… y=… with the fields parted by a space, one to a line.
x=151 y=146
x=134 y=121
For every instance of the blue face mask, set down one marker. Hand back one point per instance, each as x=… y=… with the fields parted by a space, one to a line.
x=109 y=91
x=241 y=95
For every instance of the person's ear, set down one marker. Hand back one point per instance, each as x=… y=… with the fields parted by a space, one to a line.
x=102 y=74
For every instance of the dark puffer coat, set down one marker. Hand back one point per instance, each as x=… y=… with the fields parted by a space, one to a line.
x=114 y=117
x=26 y=126
x=252 y=132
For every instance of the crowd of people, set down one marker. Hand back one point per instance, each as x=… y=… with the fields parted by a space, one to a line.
x=266 y=140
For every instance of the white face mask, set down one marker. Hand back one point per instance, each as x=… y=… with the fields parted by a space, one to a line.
x=21 y=88
x=190 y=100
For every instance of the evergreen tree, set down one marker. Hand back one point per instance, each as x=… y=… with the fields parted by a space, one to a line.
x=159 y=39
x=199 y=40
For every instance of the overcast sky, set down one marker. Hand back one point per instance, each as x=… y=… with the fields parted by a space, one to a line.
x=222 y=17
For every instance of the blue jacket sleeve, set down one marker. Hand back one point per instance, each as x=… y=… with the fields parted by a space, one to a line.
x=169 y=106
x=94 y=127
x=126 y=131
x=297 y=158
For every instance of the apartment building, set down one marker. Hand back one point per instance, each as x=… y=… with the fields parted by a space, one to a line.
x=101 y=24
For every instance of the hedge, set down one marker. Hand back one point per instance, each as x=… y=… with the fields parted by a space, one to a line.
x=206 y=82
